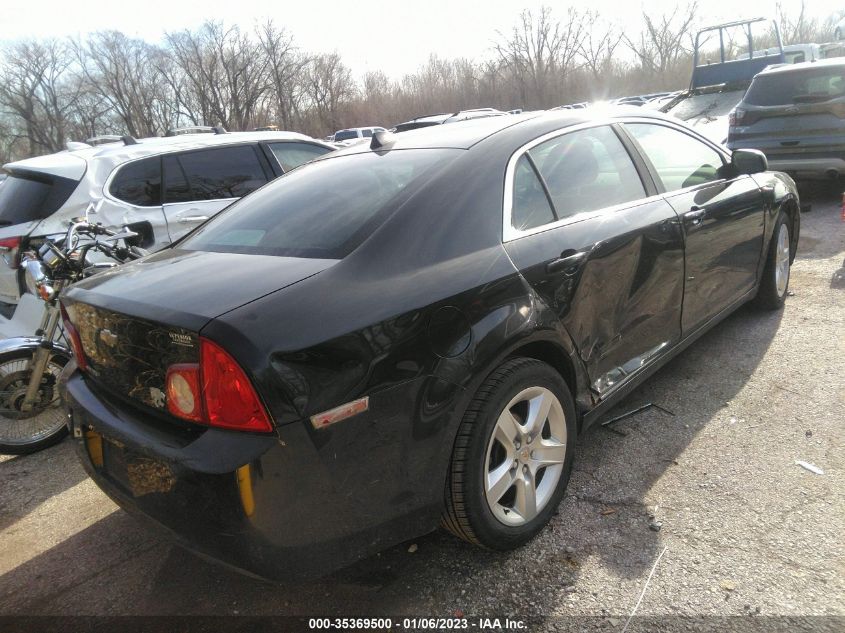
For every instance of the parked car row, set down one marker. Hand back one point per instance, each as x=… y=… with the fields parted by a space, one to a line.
x=412 y=332
x=163 y=187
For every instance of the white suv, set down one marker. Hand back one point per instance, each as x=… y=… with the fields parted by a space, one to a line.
x=163 y=187
x=351 y=135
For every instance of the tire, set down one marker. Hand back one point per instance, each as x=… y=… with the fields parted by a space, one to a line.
x=482 y=456
x=24 y=433
x=775 y=282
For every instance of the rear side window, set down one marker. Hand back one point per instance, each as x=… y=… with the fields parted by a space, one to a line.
x=531 y=206
x=587 y=170
x=176 y=188
x=139 y=183
x=324 y=210
x=801 y=86
x=291 y=155
x=26 y=197
x=680 y=160
x=225 y=172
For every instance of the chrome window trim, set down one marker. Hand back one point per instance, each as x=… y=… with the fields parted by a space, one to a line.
x=509 y=233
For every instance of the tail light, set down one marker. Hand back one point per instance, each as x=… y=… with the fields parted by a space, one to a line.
x=216 y=392
x=75 y=341
x=10 y=247
x=735 y=117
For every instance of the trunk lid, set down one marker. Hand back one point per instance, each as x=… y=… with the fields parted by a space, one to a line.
x=137 y=320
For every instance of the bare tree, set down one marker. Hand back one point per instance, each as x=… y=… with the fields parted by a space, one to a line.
x=796 y=28
x=540 y=51
x=285 y=64
x=661 y=42
x=224 y=73
x=37 y=88
x=329 y=87
x=123 y=72
x=599 y=44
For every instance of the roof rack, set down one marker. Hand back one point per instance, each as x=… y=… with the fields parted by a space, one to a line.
x=196 y=129
x=72 y=146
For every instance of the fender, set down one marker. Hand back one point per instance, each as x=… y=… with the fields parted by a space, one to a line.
x=31 y=343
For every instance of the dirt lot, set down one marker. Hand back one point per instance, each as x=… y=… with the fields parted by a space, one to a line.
x=711 y=499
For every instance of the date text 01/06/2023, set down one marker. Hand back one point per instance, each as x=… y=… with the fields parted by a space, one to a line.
x=422 y=624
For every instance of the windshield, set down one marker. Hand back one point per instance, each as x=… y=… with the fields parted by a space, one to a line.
x=345 y=135
x=799 y=86
x=713 y=104
x=323 y=210
x=25 y=197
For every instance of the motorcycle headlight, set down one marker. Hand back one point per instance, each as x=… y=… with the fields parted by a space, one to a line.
x=36 y=276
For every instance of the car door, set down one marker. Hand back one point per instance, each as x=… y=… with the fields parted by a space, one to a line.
x=583 y=226
x=198 y=184
x=722 y=216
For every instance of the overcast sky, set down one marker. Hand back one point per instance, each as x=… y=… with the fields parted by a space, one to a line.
x=393 y=36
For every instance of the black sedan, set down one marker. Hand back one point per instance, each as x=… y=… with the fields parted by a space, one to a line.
x=414 y=333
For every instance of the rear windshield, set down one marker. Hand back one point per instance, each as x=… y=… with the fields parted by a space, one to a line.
x=804 y=86
x=25 y=197
x=324 y=209
x=345 y=135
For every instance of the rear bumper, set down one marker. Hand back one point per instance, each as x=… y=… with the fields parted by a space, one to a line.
x=266 y=505
x=802 y=168
x=812 y=163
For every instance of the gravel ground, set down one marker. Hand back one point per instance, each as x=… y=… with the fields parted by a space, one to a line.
x=708 y=503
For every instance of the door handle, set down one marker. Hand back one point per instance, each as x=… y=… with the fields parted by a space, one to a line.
x=695 y=215
x=568 y=262
x=185 y=219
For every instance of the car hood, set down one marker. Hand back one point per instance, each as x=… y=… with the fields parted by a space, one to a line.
x=189 y=288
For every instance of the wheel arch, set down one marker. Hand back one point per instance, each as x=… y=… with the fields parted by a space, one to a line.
x=791 y=208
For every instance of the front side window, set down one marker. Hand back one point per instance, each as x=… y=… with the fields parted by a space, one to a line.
x=139 y=183
x=222 y=172
x=587 y=170
x=680 y=160
x=324 y=210
x=291 y=155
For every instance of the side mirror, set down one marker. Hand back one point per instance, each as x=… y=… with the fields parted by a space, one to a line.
x=749 y=161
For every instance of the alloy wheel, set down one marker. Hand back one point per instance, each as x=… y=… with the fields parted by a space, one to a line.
x=782 y=260
x=525 y=456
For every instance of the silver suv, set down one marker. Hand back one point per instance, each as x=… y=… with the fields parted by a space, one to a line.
x=163 y=187
x=795 y=114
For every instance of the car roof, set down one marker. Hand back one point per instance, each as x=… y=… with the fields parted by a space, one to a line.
x=801 y=66
x=67 y=163
x=465 y=134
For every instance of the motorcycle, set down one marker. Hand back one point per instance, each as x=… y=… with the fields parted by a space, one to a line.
x=31 y=413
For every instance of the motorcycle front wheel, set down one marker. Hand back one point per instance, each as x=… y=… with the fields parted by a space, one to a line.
x=23 y=432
